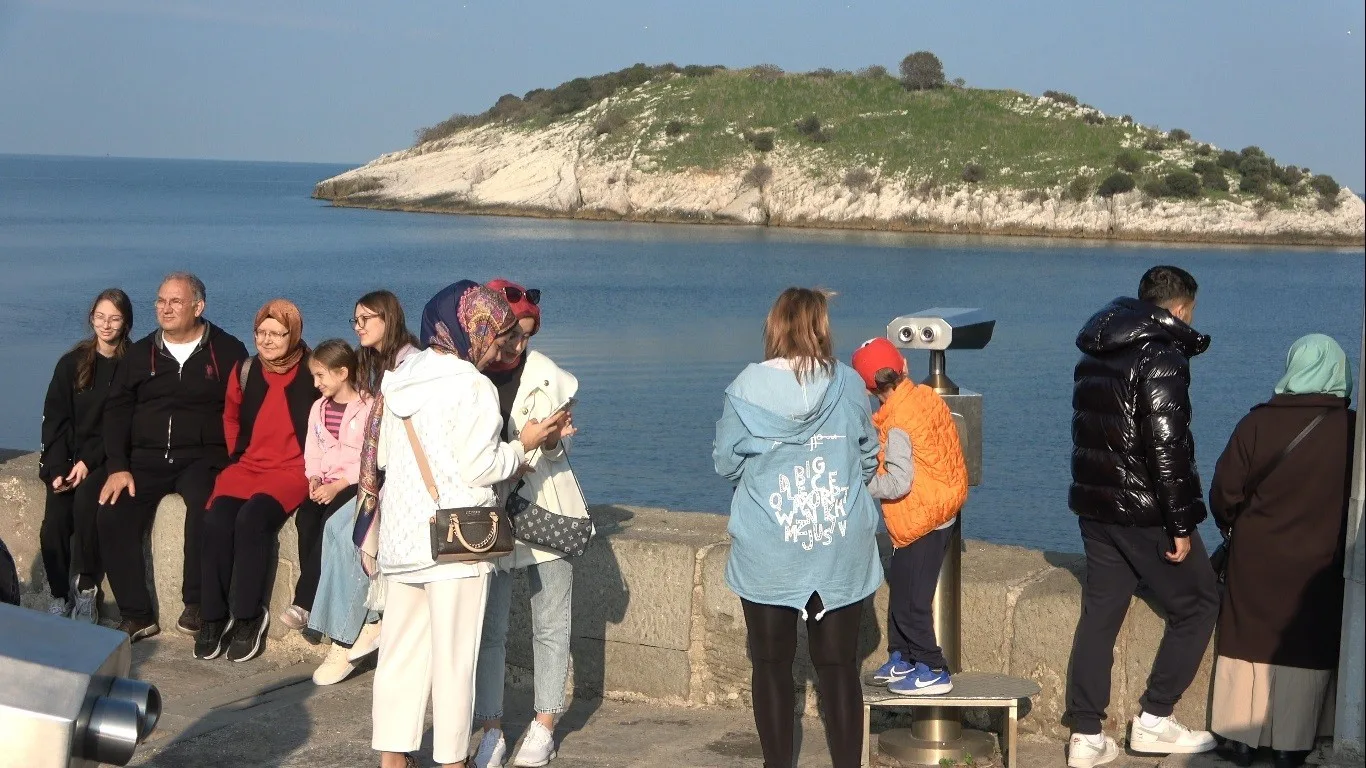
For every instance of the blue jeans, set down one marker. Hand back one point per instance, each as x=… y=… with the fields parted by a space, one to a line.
x=339 y=607
x=552 y=588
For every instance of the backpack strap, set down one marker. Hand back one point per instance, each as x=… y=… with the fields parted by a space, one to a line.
x=242 y=371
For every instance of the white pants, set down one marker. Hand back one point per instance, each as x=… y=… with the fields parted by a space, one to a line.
x=429 y=643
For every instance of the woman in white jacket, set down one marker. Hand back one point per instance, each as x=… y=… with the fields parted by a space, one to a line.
x=530 y=387
x=434 y=611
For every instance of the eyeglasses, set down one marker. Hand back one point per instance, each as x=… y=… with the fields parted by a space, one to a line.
x=514 y=294
x=174 y=305
x=263 y=335
x=107 y=321
x=359 y=321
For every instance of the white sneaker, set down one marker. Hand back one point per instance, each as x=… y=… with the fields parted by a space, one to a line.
x=1082 y=753
x=538 y=747
x=85 y=609
x=335 y=667
x=366 y=643
x=58 y=606
x=1168 y=737
x=493 y=750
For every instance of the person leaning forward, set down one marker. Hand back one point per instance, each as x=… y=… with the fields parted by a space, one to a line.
x=163 y=434
x=1137 y=493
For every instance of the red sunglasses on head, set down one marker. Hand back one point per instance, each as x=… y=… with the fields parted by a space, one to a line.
x=515 y=294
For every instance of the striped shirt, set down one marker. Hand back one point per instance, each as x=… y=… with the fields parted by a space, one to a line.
x=332 y=417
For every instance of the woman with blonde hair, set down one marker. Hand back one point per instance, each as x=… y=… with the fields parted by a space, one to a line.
x=795 y=436
x=1280 y=496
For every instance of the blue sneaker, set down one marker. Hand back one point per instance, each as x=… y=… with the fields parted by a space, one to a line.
x=895 y=669
x=923 y=681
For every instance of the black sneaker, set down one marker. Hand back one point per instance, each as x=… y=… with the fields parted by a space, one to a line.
x=190 y=622
x=137 y=629
x=248 y=637
x=211 y=639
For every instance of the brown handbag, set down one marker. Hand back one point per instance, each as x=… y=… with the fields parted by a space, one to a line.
x=461 y=534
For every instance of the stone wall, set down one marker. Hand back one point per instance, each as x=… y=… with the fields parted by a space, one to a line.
x=653 y=618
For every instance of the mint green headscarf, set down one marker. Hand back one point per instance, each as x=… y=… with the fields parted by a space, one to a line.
x=1316 y=365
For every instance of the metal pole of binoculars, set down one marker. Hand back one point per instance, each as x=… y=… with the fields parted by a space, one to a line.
x=937 y=733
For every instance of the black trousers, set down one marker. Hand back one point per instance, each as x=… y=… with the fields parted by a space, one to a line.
x=123 y=526
x=239 y=550
x=833 y=642
x=1117 y=558
x=69 y=537
x=309 y=520
x=912 y=574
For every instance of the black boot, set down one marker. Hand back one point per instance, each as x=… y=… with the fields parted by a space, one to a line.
x=1236 y=752
x=1284 y=759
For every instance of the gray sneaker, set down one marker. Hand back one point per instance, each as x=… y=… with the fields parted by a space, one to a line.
x=85 y=608
x=59 y=606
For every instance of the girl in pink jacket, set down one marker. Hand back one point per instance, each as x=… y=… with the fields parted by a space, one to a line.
x=336 y=430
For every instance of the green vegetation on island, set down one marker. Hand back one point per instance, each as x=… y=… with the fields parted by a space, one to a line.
x=866 y=126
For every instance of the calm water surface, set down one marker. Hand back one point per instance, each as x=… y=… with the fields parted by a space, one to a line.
x=654 y=319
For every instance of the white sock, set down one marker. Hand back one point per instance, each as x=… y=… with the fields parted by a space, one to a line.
x=1094 y=739
x=1150 y=721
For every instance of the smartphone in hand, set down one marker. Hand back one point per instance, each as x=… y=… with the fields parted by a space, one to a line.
x=567 y=405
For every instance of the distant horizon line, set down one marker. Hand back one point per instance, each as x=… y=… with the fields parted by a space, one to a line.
x=51 y=156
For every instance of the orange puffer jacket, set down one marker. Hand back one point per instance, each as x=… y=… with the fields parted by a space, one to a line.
x=940 y=483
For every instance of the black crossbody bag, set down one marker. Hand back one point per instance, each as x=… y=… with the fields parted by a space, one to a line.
x=1218 y=559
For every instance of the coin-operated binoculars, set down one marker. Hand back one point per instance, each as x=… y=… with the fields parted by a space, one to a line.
x=937 y=732
x=64 y=698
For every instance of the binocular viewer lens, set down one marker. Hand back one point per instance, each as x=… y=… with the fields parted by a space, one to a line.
x=119 y=721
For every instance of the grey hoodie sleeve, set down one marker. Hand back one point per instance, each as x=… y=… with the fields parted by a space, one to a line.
x=900 y=466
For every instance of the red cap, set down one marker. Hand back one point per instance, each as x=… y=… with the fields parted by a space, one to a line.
x=873 y=356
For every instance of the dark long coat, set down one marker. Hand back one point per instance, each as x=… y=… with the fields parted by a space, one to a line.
x=1283 y=597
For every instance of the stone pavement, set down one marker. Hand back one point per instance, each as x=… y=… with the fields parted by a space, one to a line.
x=267 y=712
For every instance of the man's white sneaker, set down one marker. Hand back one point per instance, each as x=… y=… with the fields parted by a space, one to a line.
x=58 y=606
x=335 y=667
x=493 y=750
x=1082 y=753
x=538 y=747
x=1168 y=737
x=366 y=643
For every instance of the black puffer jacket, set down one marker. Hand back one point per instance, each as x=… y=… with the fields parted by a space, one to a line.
x=1133 y=457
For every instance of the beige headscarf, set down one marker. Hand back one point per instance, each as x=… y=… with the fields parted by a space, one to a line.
x=285 y=313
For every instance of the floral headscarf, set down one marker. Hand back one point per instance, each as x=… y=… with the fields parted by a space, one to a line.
x=462 y=319
x=465 y=319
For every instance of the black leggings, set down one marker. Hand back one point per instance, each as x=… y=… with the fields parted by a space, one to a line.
x=309 y=519
x=833 y=642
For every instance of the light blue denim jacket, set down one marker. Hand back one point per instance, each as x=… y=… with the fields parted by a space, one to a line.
x=801 y=519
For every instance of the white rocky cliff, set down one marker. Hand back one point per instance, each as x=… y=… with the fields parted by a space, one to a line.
x=554 y=172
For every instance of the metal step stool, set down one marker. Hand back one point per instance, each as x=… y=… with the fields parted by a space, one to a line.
x=970 y=689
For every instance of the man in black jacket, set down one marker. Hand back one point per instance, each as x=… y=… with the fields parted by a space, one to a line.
x=163 y=434
x=1137 y=492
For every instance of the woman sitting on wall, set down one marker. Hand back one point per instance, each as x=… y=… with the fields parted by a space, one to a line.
x=265 y=419
x=71 y=464
x=339 y=607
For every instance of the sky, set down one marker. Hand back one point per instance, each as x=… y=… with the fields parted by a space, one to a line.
x=345 y=80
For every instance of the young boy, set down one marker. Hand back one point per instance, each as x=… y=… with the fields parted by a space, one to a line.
x=922 y=481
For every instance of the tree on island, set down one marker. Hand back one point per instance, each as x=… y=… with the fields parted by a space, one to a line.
x=922 y=71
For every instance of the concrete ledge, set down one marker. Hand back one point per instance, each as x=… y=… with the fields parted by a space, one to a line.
x=654 y=620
